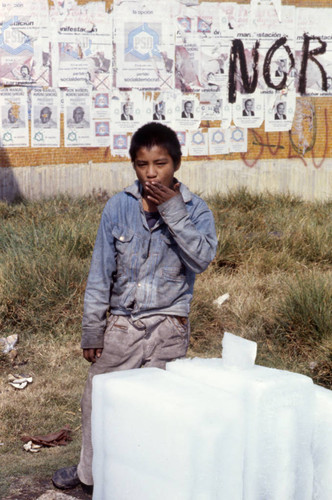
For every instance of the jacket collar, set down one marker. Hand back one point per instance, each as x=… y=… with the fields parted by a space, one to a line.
x=135 y=190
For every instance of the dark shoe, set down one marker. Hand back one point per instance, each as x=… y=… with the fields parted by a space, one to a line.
x=66 y=478
x=87 y=488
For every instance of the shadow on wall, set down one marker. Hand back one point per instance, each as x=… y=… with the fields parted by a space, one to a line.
x=9 y=188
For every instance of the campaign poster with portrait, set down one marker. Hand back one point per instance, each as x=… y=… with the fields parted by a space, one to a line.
x=248 y=110
x=127 y=110
x=77 y=118
x=45 y=118
x=14 y=117
x=279 y=111
x=188 y=111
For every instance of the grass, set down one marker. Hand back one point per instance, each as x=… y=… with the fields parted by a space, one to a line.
x=274 y=259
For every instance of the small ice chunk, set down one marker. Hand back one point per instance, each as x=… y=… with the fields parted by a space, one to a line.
x=238 y=352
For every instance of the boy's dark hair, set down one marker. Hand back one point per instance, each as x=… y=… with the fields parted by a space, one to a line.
x=156 y=134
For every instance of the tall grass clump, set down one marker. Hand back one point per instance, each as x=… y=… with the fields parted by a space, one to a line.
x=305 y=313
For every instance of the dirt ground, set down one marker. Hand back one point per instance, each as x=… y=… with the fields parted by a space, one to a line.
x=29 y=488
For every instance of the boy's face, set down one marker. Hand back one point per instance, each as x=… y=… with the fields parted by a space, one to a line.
x=155 y=165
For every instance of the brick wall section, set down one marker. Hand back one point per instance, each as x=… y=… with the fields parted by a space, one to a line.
x=277 y=145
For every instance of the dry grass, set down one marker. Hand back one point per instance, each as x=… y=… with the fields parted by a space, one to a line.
x=274 y=259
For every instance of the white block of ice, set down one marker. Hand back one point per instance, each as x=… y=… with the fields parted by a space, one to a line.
x=279 y=417
x=322 y=444
x=157 y=435
x=238 y=352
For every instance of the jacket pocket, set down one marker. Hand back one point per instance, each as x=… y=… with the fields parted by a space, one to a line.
x=123 y=237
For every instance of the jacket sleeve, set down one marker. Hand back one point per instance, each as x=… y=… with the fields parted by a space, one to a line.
x=99 y=285
x=192 y=229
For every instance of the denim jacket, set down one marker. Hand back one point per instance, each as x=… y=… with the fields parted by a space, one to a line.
x=141 y=272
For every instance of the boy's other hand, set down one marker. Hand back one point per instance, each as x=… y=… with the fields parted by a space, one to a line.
x=158 y=193
x=91 y=355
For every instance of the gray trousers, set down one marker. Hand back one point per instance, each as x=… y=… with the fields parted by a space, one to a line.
x=151 y=341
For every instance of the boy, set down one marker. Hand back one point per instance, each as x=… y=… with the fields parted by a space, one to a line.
x=152 y=240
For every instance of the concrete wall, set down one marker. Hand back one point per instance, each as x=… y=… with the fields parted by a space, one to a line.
x=205 y=177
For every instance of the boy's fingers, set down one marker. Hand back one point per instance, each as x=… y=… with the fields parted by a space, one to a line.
x=91 y=354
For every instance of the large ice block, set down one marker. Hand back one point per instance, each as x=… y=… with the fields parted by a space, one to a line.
x=157 y=435
x=278 y=409
x=322 y=444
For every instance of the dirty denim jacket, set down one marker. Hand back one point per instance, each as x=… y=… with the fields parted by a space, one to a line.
x=140 y=272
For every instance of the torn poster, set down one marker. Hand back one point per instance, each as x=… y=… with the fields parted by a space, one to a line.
x=45 y=118
x=14 y=117
x=211 y=105
x=144 y=40
x=212 y=24
x=218 y=141
x=189 y=2
x=101 y=118
x=248 y=110
x=277 y=45
x=198 y=143
x=238 y=140
x=256 y=5
x=257 y=48
x=187 y=50
x=303 y=128
x=279 y=111
x=77 y=118
x=22 y=41
x=82 y=52
x=160 y=107
x=183 y=140
x=314 y=34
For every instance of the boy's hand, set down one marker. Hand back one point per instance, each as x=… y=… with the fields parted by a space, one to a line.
x=91 y=354
x=158 y=193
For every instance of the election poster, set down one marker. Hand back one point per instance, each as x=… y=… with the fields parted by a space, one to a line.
x=144 y=45
x=77 y=118
x=14 y=117
x=101 y=118
x=82 y=52
x=45 y=118
x=218 y=141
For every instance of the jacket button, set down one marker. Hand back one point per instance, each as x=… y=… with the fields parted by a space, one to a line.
x=121 y=238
